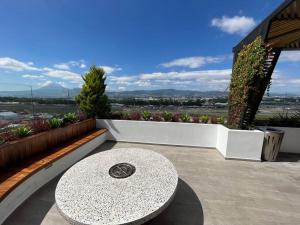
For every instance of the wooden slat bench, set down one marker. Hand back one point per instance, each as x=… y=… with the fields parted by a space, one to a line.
x=10 y=178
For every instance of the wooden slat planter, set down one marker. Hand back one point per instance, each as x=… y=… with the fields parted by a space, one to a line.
x=16 y=151
x=11 y=177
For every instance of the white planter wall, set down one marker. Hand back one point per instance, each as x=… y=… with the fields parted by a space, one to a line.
x=168 y=133
x=240 y=144
x=222 y=139
x=232 y=144
x=244 y=144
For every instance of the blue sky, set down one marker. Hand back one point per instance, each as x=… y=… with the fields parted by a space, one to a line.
x=142 y=44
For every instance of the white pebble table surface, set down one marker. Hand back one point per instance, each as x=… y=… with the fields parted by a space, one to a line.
x=88 y=194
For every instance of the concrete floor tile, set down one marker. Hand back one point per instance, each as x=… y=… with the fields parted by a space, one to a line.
x=211 y=191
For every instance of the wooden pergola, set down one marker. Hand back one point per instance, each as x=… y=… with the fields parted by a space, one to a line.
x=280 y=32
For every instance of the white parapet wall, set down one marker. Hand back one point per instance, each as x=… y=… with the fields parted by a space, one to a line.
x=222 y=140
x=244 y=144
x=42 y=177
x=167 y=133
x=232 y=144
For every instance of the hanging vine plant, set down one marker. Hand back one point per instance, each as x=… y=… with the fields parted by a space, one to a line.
x=248 y=84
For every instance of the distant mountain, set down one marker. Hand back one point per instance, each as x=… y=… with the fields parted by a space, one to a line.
x=284 y=95
x=51 y=90
x=55 y=90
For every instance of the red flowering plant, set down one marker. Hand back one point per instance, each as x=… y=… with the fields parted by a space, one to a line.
x=135 y=116
x=196 y=119
x=82 y=116
x=39 y=125
x=7 y=135
x=176 y=117
x=156 y=116
x=213 y=119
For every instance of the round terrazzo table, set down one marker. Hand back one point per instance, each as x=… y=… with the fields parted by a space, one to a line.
x=119 y=186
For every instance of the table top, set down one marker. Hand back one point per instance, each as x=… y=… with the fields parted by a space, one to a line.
x=119 y=186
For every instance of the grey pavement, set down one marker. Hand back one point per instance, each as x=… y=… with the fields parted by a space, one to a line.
x=211 y=191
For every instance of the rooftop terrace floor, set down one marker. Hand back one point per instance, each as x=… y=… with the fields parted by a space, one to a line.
x=211 y=191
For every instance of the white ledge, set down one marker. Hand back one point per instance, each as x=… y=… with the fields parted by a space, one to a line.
x=232 y=144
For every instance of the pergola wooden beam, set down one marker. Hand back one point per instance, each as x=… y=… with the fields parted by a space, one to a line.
x=284 y=39
x=279 y=31
x=282 y=27
x=286 y=18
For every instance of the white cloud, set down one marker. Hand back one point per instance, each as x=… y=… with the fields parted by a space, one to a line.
x=200 y=79
x=62 y=66
x=110 y=70
x=234 y=25
x=284 y=83
x=65 y=75
x=82 y=66
x=193 y=62
x=290 y=56
x=121 y=88
x=16 y=65
x=33 y=76
x=121 y=79
x=294 y=81
x=187 y=75
x=67 y=65
x=47 y=69
x=142 y=83
x=45 y=83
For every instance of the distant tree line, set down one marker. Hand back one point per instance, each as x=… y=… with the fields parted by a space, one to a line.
x=125 y=101
x=39 y=100
x=159 y=102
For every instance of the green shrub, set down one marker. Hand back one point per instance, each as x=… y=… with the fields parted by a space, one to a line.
x=23 y=131
x=92 y=99
x=204 y=119
x=185 y=118
x=285 y=119
x=125 y=116
x=56 y=122
x=221 y=120
x=116 y=115
x=2 y=141
x=167 y=116
x=70 y=118
x=146 y=115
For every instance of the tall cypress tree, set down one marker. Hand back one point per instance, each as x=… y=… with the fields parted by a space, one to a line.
x=92 y=99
